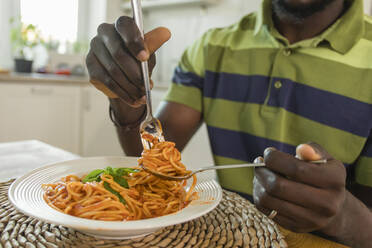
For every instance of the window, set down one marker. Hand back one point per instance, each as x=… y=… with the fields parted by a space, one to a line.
x=56 y=19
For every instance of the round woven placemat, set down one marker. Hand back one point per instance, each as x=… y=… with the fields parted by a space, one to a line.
x=234 y=223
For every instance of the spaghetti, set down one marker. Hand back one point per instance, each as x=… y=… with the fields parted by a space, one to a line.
x=123 y=193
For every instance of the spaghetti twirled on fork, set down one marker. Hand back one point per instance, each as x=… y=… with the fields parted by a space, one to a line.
x=144 y=196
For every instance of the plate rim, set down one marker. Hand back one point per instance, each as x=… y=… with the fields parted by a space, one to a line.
x=88 y=224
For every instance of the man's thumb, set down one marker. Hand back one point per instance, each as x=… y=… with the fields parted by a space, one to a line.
x=156 y=38
x=311 y=152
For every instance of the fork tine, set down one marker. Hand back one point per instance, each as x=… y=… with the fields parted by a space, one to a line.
x=146 y=144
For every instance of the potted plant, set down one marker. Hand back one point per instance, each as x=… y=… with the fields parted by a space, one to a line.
x=24 y=38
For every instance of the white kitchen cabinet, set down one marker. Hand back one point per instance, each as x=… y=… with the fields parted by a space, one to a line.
x=42 y=111
x=98 y=134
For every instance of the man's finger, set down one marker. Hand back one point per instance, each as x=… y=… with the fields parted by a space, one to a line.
x=258 y=160
x=131 y=35
x=156 y=38
x=100 y=86
x=294 y=192
x=302 y=215
x=102 y=81
x=113 y=70
x=311 y=152
x=325 y=176
x=128 y=64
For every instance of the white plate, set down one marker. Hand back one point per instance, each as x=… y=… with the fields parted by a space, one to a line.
x=26 y=195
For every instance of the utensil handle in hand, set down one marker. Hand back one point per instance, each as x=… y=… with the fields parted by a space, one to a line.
x=137 y=15
x=234 y=166
x=231 y=166
x=138 y=18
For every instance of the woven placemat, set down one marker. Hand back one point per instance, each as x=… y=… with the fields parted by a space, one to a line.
x=234 y=223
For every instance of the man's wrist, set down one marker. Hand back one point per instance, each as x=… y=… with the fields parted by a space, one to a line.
x=337 y=225
x=125 y=116
x=353 y=226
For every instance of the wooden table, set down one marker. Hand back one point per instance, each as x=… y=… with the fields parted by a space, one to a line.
x=18 y=158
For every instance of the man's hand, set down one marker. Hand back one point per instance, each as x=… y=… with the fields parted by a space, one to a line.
x=114 y=59
x=114 y=68
x=307 y=196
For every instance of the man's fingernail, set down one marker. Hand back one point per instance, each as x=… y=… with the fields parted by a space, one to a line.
x=315 y=147
x=316 y=150
x=258 y=160
x=143 y=55
x=268 y=150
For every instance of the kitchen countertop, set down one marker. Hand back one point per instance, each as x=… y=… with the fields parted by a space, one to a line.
x=38 y=77
x=53 y=78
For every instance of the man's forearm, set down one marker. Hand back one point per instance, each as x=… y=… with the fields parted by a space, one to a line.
x=130 y=142
x=354 y=226
x=126 y=116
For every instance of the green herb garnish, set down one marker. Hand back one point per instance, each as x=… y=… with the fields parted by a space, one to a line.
x=116 y=173
x=93 y=176
x=108 y=187
x=124 y=171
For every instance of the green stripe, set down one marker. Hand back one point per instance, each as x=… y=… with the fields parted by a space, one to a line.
x=189 y=96
x=363 y=171
x=241 y=40
x=316 y=72
x=232 y=179
x=288 y=128
x=244 y=62
x=359 y=56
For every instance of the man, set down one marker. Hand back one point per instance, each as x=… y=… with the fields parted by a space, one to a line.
x=296 y=71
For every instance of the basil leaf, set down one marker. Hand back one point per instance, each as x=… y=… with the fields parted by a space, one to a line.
x=130 y=170
x=93 y=176
x=118 y=173
x=124 y=171
x=108 y=188
x=110 y=171
x=121 y=181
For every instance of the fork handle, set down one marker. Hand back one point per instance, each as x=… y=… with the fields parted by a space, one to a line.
x=234 y=166
x=137 y=15
x=231 y=166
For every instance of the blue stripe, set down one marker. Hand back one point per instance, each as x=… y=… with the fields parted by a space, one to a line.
x=322 y=106
x=367 y=150
x=236 y=87
x=244 y=146
x=187 y=78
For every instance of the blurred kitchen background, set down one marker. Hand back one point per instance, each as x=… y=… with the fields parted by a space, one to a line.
x=55 y=102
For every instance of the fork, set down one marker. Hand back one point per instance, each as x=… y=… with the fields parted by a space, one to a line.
x=219 y=167
x=150 y=125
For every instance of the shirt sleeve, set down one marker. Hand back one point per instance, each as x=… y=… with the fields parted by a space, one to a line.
x=188 y=77
x=363 y=169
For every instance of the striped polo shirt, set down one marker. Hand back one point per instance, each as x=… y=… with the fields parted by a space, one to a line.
x=255 y=90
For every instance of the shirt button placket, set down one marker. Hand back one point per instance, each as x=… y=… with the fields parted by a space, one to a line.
x=275 y=83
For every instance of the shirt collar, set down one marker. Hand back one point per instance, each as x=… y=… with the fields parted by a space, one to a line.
x=341 y=35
